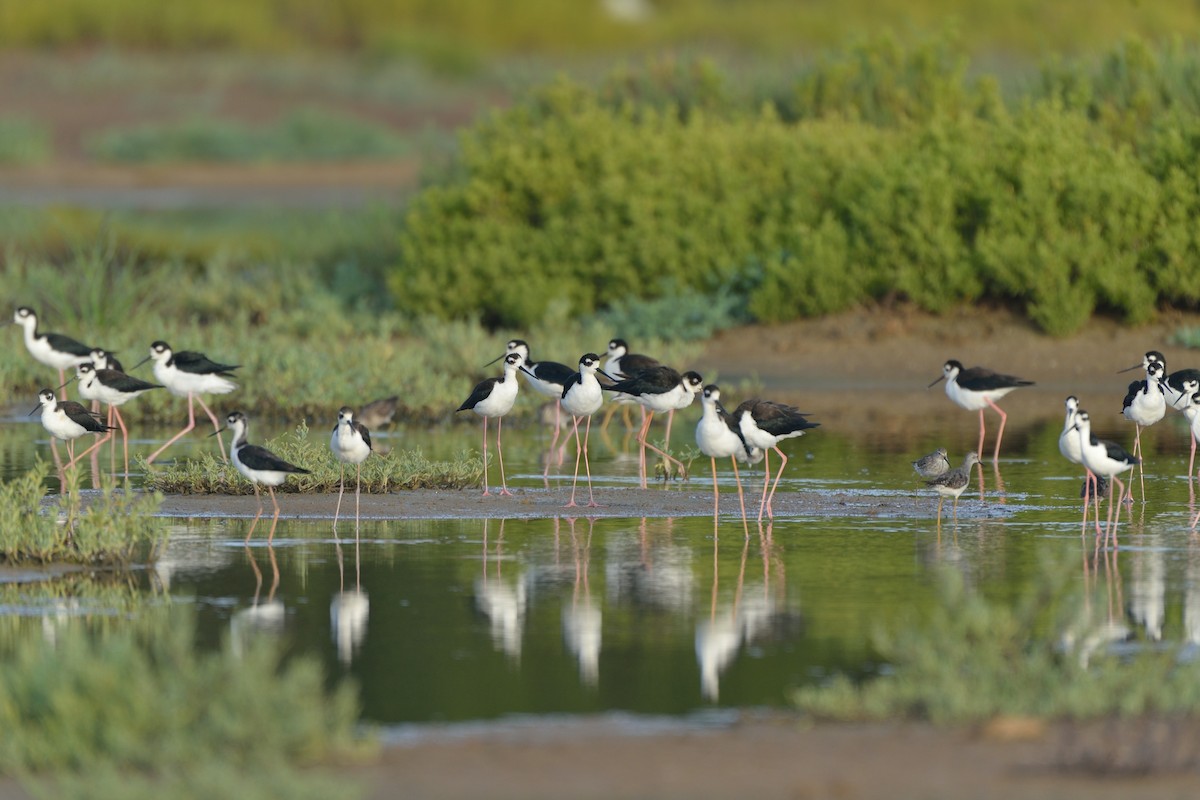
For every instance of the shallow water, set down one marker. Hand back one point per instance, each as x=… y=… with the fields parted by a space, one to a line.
x=462 y=620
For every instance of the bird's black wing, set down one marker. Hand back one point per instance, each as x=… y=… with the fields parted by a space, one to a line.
x=261 y=458
x=479 y=394
x=65 y=344
x=124 y=383
x=200 y=364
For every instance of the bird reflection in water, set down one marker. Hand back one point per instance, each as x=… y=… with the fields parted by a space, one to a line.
x=582 y=617
x=265 y=617
x=503 y=603
x=746 y=618
x=349 y=610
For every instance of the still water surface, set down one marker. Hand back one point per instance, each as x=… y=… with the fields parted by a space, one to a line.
x=457 y=620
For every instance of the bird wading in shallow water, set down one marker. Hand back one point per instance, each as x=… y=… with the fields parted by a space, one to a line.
x=260 y=466
x=953 y=483
x=494 y=397
x=189 y=374
x=933 y=464
x=764 y=424
x=977 y=388
x=582 y=397
x=351 y=444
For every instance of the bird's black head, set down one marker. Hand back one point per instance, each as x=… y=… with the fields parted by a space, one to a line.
x=615 y=345
x=693 y=381
x=712 y=392
x=513 y=360
x=589 y=361
x=22 y=313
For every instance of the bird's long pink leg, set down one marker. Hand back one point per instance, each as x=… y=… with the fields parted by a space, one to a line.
x=645 y=444
x=274 y=519
x=216 y=426
x=341 y=490
x=783 y=463
x=116 y=412
x=81 y=456
x=578 y=453
x=586 y=464
x=999 y=433
x=485 y=486
x=716 y=494
x=1117 y=521
x=647 y=418
x=741 y=496
x=500 y=457
x=254 y=524
x=357 y=495
x=191 y=425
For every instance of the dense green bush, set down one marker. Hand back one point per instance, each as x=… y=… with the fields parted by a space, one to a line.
x=887 y=174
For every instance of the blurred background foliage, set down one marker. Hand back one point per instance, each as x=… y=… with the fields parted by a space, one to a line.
x=653 y=169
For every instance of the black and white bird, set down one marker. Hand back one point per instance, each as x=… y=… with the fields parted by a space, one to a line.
x=1178 y=386
x=494 y=397
x=260 y=466
x=764 y=424
x=953 y=483
x=114 y=389
x=622 y=364
x=190 y=374
x=656 y=389
x=52 y=349
x=582 y=396
x=102 y=359
x=933 y=464
x=67 y=420
x=718 y=435
x=1145 y=404
x=548 y=378
x=1072 y=450
x=351 y=444
x=1104 y=458
x=977 y=388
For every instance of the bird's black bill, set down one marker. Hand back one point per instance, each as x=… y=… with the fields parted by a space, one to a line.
x=35 y=410
x=935 y=383
x=1127 y=369
x=219 y=430
x=69 y=380
x=494 y=360
x=605 y=374
x=143 y=361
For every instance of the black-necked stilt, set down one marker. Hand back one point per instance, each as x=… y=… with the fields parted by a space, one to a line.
x=1105 y=458
x=1145 y=404
x=102 y=359
x=656 y=389
x=764 y=424
x=622 y=364
x=52 y=349
x=189 y=374
x=933 y=464
x=1072 y=450
x=1192 y=413
x=114 y=389
x=545 y=377
x=377 y=413
x=67 y=420
x=494 y=397
x=953 y=483
x=351 y=443
x=259 y=465
x=1177 y=386
x=977 y=388
x=719 y=436
x=582 y=397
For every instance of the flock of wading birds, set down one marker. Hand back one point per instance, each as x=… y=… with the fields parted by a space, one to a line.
x=748 y=434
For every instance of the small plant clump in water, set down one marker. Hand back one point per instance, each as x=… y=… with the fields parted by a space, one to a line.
x=116 y=527
x=1041 y=656
x=134 y=711
x=392 y=471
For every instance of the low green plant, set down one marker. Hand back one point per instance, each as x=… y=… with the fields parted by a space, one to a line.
x=1042 y=655
x=138 y=700
x=115 y=528
x=23 y=141
x=303 y=135
x=395 y=470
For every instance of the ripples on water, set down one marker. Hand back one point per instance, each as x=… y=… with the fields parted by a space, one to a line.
x=461 y=620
